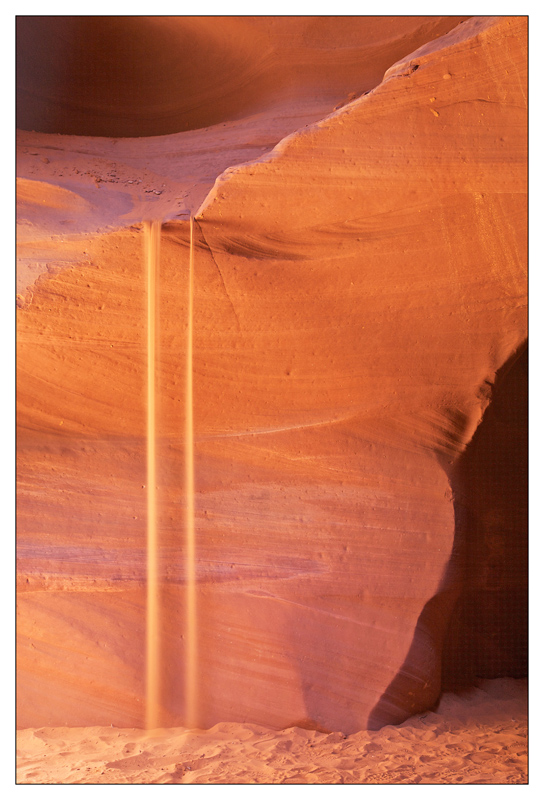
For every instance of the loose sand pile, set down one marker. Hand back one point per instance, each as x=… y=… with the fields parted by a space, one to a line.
x=478 y=737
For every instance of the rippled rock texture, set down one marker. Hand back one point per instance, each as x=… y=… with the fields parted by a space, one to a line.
x=360 y=301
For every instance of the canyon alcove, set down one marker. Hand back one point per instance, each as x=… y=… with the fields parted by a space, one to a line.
x=353 y=194
x=488 y=632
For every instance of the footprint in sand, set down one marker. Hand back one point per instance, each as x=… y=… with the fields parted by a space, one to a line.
x=478 y=758
x=131 y=762
x=454 y=748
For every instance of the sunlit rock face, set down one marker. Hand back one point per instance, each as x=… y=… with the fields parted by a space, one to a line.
x=360 y=281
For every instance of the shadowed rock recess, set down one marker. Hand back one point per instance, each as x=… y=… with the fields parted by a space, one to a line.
x=360 y=373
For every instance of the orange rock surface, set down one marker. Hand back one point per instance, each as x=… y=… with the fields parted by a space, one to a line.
x=360 y=292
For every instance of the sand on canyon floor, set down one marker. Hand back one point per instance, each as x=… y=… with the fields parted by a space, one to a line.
x=475 y=737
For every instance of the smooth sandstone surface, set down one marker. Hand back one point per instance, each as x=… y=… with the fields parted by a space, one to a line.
x=360 y=282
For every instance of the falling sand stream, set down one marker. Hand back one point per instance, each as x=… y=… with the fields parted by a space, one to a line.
x=152 y=232
x=191 y=700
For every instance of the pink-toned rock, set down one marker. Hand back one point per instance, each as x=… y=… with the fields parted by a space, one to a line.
x=357 y=289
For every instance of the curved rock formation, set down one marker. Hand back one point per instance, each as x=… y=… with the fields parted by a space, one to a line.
x=147 y=76
x=359 y=283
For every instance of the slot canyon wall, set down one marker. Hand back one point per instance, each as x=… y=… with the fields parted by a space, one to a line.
x=359 y=186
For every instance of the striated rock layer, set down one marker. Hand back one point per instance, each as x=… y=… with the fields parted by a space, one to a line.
x=359 y=284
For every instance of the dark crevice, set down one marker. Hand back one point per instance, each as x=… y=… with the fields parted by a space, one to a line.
x=476 y=626
x=487 y=634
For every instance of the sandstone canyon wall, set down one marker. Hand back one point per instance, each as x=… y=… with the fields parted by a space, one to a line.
x=360 y=283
